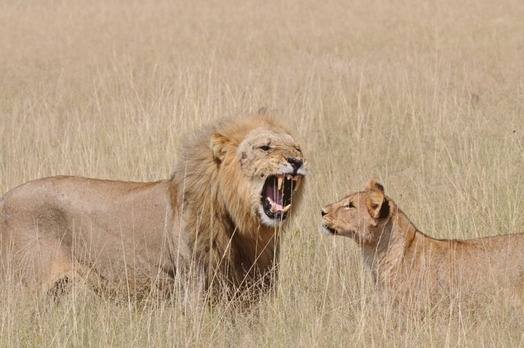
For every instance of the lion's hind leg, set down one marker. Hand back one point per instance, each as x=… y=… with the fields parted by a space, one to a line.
x=45 y=266
x=68 y=277
x=58 y=279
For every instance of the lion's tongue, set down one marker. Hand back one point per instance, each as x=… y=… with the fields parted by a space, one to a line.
x=275 y=195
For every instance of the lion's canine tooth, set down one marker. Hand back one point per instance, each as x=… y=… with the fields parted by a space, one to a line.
x=297 y=185
x=289 y=177
x=286 y=208
x=279 y=180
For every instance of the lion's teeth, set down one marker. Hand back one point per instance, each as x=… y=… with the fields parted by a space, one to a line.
x=297 y=184
x=279 y=180
x=276 y=208
x=286 y=208
x=289 y=177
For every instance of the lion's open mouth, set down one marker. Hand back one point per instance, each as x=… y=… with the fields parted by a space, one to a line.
x=277 y=194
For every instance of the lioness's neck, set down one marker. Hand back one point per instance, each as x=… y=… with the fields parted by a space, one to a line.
x=385 y=256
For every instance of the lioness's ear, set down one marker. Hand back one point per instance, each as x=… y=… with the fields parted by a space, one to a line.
x=375 y=202
x=372 y=185
x=218 y=146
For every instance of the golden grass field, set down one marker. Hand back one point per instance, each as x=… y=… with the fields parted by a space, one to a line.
x=427 y=96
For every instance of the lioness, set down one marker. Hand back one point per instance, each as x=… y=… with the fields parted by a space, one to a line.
x=403 y=259
x=216 y=219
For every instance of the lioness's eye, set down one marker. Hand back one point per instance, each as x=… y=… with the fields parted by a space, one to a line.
x=350 y=205
x=264 y=147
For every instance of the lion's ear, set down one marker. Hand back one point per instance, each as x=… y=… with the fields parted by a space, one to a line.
x=218 y=145
x=377 y=204
x=373 y=185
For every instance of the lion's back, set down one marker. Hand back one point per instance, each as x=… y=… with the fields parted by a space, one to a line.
x=97 y=222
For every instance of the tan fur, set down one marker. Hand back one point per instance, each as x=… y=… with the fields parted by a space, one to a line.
x=403 y=259
x=202 y=223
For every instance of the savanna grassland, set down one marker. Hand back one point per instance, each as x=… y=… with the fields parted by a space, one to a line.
x=427 y=96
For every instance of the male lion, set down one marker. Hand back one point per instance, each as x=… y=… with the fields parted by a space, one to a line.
x=216 y=220
x=406 y=262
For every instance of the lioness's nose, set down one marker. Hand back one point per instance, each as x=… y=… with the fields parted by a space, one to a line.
x=296 y=163
x=323 y=212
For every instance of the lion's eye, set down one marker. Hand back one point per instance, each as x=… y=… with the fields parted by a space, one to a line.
x=265 y=147
x=350 y=205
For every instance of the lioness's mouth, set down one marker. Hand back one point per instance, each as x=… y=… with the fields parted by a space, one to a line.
x=277 y=194
x=328 y=230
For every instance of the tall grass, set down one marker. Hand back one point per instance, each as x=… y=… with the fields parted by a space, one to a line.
x=427 y=96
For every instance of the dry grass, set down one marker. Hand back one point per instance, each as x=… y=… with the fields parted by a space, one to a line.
x=428 y=96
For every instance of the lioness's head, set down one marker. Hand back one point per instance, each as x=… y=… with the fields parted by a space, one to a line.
x=359 y=215
x=260 y=168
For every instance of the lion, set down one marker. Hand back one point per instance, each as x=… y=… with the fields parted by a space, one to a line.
x=218 y=219
x=407 y=263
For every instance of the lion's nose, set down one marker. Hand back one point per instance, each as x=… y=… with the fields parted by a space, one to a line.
x=323 y=212
x=296 y=163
